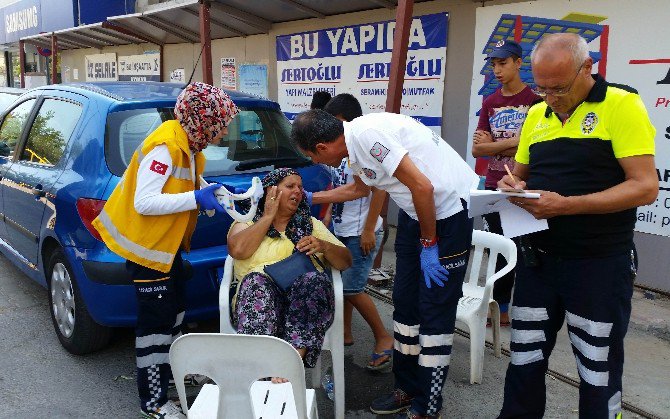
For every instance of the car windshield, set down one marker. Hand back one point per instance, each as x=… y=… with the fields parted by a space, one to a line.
x=258 y=138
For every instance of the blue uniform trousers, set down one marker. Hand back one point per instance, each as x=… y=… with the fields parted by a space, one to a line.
x=423 y=318
x=160 y=312
x=594 y=296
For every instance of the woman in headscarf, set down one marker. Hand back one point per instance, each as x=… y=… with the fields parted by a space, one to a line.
x=301 y=313
x=149 y=219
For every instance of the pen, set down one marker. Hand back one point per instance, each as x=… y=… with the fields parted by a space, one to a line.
x=510 y=174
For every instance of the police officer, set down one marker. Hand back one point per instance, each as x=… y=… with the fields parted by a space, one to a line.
x=589 y=151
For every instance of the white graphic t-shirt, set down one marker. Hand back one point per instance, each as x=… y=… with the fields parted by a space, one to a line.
x=349 y=217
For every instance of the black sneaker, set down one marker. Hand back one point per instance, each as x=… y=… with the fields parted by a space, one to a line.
x=391 y=403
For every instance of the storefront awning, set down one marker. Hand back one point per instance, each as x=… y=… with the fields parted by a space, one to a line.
x=178 y=21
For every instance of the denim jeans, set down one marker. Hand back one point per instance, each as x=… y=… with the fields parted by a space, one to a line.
x=355 y=278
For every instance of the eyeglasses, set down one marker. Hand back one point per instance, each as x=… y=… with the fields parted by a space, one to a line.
x=558 y=92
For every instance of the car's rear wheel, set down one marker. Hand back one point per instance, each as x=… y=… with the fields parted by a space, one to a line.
x=76 y=330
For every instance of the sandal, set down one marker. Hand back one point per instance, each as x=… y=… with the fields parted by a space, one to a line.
x=377 y=355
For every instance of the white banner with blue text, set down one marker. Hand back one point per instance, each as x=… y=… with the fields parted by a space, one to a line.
x=357 y=59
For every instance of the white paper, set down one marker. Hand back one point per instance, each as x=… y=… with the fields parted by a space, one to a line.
x=517 y=221
x=481 y=202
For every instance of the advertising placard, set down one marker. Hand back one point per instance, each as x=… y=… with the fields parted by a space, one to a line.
x=101 y=67
x=228 y=73
x=254 y=79
x=622 y=53
x=357 y=59
x=142 y=67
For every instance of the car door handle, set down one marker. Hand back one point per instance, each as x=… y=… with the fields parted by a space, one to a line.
x=38 y=191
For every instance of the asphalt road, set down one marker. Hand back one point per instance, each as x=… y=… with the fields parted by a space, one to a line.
x=38 y=378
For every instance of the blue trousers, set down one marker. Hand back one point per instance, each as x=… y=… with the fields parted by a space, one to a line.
x=594 y=295
x=160 y=312
x=423 y=318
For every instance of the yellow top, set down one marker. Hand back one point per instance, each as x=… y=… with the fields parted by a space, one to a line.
x=273 y=250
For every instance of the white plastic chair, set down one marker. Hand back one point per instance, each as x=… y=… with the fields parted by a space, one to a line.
x=476 y=302
x=235 y=363
x=334 y=341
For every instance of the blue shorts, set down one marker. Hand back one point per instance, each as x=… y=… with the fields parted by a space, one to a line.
x=355 y=278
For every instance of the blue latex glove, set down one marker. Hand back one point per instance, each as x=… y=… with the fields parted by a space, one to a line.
x=308 y=194
x=433 y=271
x=206 y=199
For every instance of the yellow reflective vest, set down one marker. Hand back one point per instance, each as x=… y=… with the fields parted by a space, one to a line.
x=152 y=240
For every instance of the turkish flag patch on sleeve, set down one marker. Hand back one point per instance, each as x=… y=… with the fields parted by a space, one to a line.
x=158 y=167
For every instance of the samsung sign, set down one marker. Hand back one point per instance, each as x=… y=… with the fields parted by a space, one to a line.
x=31 y=17
x=21 y=20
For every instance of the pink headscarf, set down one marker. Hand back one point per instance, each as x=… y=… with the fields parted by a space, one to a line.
x=203 y=111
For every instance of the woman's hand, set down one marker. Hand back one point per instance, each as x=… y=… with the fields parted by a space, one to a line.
x=310 y=245
x=272 y=202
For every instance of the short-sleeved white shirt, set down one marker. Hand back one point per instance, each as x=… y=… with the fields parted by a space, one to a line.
x=377 y=142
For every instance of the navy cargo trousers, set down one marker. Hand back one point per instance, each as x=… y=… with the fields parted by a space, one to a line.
x=160 y=313
x=424 y=318
x=594 y=296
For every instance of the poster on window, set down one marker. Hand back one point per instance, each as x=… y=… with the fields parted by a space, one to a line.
x=254 y=79
x=143 y=67
x=622 y=54
x=228 y=74
x=101 y=67
x=357 y=59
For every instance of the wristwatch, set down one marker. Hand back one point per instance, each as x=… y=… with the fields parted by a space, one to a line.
x=428 y=242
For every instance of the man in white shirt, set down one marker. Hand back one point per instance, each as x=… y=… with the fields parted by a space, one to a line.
x=430 y=183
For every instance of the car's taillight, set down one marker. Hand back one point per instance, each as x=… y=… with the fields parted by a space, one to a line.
x=88 y=209
x=324 y=207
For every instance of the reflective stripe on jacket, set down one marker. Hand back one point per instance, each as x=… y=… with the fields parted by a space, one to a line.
x=152 y=240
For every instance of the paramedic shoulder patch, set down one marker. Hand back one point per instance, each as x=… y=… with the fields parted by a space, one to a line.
x=158 y=167
x=379 y=152
x=370 y=174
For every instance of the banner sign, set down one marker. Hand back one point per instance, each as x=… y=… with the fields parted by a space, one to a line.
x=254 y=79
x=21 y=18
x=101 y=67
x=228 y=73
x=144 y=67
x=357 y=60
x=622 y=53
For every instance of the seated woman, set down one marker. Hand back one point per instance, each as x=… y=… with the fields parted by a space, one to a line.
x=304 y=311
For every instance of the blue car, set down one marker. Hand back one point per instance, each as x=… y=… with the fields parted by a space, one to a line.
x=63 y=149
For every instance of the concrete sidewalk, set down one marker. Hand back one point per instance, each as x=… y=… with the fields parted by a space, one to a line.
x=646 y=373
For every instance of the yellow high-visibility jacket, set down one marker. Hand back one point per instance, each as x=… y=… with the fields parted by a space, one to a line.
x=152 y=240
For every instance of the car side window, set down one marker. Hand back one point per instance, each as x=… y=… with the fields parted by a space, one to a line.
x=12 y=127
x=51 y=131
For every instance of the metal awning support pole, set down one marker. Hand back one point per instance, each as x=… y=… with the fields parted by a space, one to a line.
x=54 y=59
x=206 y=44
x=162 y=69
x=403 y=22
x=22 y=63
